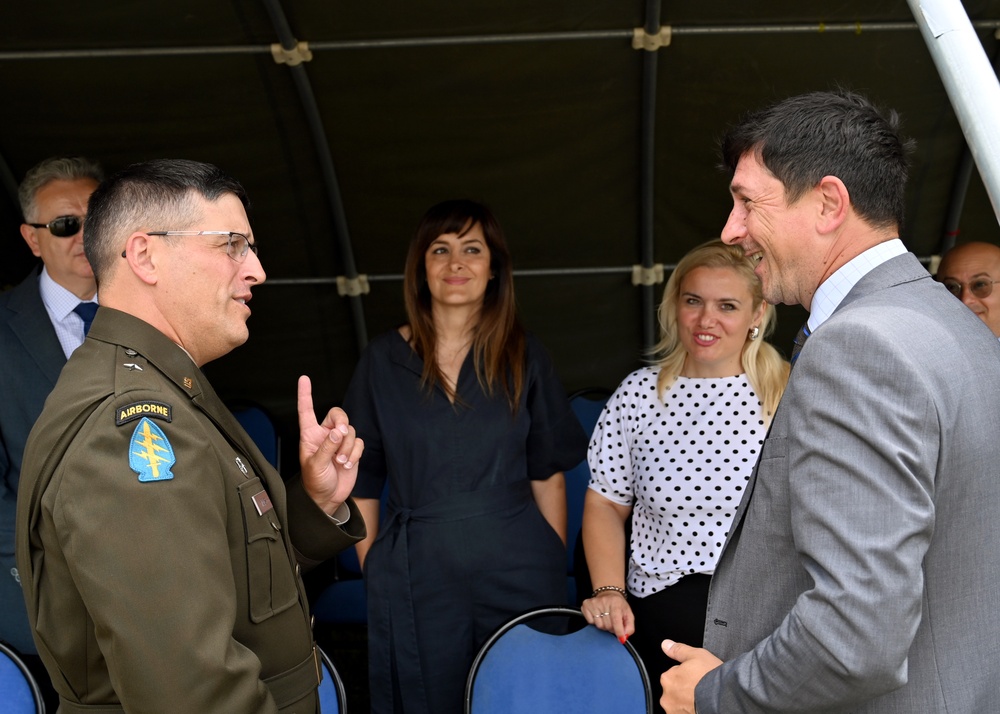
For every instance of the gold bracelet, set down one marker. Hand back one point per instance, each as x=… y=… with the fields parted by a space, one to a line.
x=606 y=588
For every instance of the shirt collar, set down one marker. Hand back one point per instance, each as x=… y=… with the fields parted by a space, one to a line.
x=58 y=300
x=834 y=289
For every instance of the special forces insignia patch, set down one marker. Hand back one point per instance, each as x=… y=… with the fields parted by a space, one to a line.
x=150 y=453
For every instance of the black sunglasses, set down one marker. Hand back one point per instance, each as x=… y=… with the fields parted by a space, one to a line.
x=62 y=227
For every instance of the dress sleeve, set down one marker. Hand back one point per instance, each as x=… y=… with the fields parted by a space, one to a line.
x=556 y=441
x=363 y=412
x=610 y=454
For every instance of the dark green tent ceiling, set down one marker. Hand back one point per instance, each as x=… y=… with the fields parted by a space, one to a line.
x=533 y=107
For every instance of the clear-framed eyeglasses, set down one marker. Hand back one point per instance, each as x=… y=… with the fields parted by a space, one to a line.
x=237 y=244
x=982 y=288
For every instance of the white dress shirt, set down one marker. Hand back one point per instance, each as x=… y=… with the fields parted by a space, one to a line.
x=834 y=289
x=59 y=303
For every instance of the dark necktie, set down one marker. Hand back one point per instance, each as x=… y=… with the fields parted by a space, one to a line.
x=86 y=311
x=800 y=340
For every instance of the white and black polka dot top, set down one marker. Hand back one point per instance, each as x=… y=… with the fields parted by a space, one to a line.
x=681 y=463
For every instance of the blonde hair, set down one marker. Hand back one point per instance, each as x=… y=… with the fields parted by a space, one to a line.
x=764 y=366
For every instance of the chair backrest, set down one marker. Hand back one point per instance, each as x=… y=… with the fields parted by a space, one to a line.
x=344 y=600
x=521 y=670
x=587 y=405
x=258 y=424
x=331 y=689
x=19 y=693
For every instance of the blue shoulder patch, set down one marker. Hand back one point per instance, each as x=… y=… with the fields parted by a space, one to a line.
x=150 y=453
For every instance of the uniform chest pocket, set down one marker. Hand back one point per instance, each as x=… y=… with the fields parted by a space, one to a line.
x=271 y=586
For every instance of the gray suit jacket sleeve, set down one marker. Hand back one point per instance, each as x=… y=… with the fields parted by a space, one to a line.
x=860 y=493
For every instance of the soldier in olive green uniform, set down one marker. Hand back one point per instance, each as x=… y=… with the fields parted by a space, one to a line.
x=157 y=547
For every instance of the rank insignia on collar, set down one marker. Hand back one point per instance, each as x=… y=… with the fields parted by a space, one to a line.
x=150 y=453
x=188 y=383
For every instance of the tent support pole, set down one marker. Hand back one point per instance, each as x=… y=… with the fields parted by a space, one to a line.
x=960 y=188
x=312 y=116
x=969 y=80
x=9 y=183
x=647 y=130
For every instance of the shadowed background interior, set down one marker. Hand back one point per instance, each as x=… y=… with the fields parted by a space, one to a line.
x=535 y=108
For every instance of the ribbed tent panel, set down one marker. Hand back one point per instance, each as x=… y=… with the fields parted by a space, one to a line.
x=534 y=107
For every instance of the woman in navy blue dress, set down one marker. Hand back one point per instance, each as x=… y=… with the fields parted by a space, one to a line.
x=463 y=417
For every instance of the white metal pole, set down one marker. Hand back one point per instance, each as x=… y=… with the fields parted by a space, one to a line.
x=969 y=80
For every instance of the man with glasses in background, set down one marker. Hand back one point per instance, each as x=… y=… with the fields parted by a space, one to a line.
x=159 y=551
x=42 y=321
x=969 y=271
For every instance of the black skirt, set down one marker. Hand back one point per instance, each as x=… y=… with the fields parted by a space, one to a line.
x=676 y=613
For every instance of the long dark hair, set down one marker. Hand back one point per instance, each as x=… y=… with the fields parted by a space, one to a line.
x=498 y=342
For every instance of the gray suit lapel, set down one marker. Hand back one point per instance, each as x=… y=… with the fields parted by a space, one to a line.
x=895 y=271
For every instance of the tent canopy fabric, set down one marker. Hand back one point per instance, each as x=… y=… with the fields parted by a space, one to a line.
x=535 y=108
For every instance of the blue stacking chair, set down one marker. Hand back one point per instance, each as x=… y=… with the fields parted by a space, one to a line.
x=258 y=424
x=19 y=693
x=331 y=690
x=521 y=670
x=343 y=601
x=587 y=405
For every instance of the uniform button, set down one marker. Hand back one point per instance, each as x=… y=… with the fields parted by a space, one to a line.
x=312 y=621
x=298 y=570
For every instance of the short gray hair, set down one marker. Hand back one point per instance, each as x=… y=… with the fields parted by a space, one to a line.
x=149 y=195
x=55 y=168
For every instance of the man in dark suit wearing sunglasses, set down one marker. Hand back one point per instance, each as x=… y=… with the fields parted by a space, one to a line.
x=40 y=326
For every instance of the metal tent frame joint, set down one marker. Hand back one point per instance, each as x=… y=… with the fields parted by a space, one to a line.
x=352 y=287
x=296 y=55
x=642 y=40
x=652 y=275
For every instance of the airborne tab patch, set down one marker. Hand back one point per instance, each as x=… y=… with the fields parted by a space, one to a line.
x=138 y=410
x=150 y=453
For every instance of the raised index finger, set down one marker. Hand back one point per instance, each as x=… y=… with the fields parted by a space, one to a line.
x=307 y=415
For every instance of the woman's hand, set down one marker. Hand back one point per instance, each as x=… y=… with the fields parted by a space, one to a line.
x=610 y=611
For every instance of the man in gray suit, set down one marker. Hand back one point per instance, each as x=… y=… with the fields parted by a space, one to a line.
x=862 y=571
x=38 y=331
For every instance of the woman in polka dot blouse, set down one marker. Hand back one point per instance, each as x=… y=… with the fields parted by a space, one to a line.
x=673 y=448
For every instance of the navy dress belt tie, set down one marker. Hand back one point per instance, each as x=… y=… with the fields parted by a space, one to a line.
x=401 y=642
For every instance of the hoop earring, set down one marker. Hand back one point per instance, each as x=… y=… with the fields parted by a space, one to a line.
x=753 y=333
